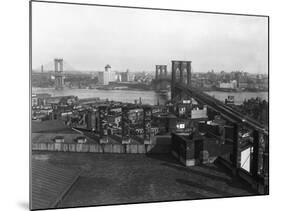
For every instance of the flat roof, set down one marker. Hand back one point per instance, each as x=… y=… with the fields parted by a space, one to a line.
x=132 y=178
x=50 y=182
x=49 y=126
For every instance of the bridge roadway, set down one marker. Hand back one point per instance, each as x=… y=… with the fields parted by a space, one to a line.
x=226 y=111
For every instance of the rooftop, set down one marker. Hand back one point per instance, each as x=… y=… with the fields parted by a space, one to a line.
x=52 y=126
x=132 y=178
x=49 y=182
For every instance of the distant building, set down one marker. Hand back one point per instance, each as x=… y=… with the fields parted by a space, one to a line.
x=126 y=76
x=264 y=83
x=107 y=68
x=103 y=78
x=243 y=83
x=39 y=99
x=131 y=76
x=230 y=85
x=106 y=76
x=112 y=75
x=123 y=77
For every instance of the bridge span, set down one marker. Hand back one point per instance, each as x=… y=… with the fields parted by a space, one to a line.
x=225 y=111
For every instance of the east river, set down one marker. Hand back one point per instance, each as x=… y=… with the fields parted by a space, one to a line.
x=147 y=97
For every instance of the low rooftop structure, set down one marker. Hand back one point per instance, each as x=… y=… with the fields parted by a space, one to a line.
x=59 y=138
x=196 y=149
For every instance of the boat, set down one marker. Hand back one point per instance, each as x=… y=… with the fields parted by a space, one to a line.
x=163 y=92
x=229 y=100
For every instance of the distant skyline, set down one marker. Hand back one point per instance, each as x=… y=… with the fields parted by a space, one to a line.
x=89 y=37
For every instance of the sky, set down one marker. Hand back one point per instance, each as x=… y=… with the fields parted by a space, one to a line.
x=89 y=37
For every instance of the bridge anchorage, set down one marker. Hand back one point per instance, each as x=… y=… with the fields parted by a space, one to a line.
x=256 y=136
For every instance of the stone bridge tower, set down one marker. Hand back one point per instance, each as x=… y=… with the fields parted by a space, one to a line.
x=181 y=75
x=59 y=79
x=161 y=77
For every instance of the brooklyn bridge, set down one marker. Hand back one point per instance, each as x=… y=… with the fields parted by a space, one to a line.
x=182 y=90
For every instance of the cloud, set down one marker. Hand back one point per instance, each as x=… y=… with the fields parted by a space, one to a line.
x=89 y=37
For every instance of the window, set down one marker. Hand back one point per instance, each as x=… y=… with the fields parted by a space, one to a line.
x=181 y=126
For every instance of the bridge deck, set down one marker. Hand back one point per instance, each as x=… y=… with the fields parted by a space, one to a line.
x=225 y=110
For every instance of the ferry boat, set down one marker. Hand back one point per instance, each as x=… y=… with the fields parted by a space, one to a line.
x=229 y=100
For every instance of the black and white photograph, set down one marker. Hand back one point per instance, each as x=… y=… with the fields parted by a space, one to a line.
x=134 y=105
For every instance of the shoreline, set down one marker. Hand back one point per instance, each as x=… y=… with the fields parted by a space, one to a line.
x=148 y=96
x=149 y=90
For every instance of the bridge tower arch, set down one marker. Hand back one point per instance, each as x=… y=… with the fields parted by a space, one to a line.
x=161 y=77
x=59 y=79
x=181 y=74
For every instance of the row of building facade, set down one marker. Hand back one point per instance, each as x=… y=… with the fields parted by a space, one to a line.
x=108 y=75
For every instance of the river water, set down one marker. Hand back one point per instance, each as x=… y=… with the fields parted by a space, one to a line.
x=147 y=97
